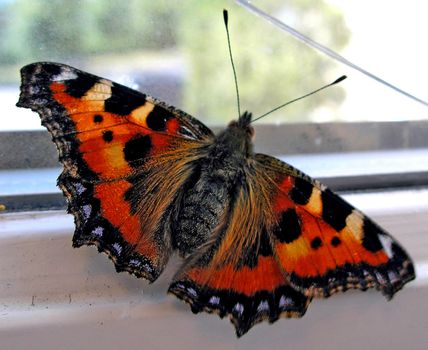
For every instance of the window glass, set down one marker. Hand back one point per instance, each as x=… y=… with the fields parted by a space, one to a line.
x=382 y=37
x=177 y=51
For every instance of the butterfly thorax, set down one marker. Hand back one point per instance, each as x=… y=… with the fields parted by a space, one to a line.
x=213 y=186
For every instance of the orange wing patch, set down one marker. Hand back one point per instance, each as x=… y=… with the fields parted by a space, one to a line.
x=248 y=294
x=246 y=280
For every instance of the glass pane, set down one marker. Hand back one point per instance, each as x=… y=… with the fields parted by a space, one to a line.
x=382 y=37
x=177 y=51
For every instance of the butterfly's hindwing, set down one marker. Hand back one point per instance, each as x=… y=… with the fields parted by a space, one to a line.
x=241 y=279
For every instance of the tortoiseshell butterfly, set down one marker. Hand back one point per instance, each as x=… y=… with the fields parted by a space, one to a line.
x=143 y=179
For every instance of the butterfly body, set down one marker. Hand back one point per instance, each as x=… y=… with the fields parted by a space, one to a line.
x=209 y=192
x=144 y=180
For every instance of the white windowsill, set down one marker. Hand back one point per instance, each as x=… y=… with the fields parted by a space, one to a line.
x=53 y=296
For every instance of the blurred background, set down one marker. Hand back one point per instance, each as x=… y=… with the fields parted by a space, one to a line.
x=177 y=51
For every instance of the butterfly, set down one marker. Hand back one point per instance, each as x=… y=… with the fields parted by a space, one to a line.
x=143 y=180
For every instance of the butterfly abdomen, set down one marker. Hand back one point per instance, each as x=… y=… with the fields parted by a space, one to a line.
x=209 y=192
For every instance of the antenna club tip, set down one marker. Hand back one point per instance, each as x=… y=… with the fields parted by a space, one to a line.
x=225 y=16
x=338 y=80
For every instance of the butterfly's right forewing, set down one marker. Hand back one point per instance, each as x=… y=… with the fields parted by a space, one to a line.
x=323 y=244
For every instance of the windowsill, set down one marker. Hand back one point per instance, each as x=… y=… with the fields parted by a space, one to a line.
x=50 y=290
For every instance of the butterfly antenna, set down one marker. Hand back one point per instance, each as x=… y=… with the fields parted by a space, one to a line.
x=343 y=77
x=225 y=17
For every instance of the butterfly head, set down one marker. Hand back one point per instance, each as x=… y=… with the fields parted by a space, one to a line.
x=238 y=135
x=244 y=124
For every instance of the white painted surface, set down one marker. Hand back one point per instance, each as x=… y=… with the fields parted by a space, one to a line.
x=55 y=297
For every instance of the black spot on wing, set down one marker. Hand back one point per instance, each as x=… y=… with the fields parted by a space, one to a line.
x=98 y=118
x=137 y=149
x=371 y=236
x=123 y=100
x=79 y=86
x=335 y=241
x=301 y=192
x=157 y=118
x=316 y=243
x=288 y=228
x=108 y=136
x=335 y=210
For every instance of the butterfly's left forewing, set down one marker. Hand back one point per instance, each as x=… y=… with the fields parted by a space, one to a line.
x=323 y=244
x=116 y=145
